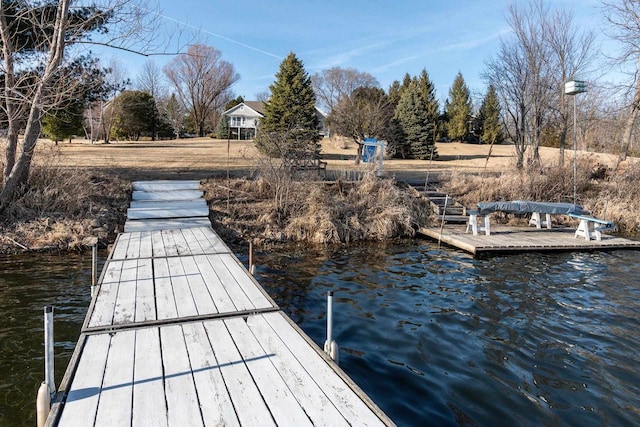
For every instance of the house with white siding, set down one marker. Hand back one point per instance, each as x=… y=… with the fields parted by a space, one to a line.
x=244 y=119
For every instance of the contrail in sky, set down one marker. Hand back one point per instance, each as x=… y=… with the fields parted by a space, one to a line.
x=217 y=35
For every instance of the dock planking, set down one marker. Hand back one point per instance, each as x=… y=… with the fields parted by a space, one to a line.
x=179 y=333
x=523 y=239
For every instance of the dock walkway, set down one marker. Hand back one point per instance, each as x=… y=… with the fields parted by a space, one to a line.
x=523 y=239
x=180 y=334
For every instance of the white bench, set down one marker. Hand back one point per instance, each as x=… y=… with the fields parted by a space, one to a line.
x=588 y=228
x=472 y=223
x=539 y=222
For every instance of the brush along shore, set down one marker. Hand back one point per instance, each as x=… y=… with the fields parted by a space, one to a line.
x=80 y=192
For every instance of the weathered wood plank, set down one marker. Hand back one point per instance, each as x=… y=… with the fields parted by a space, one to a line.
x=81 y=404
x=337 y=391
x=201 y=294
x=165 y=224
x=165 y=185
x=124 y=308
x=217 y=290
x=209 y=240
x=166 y=195
x=217 y=408
x=145 y=292
x=149 y=407
x=116 y=394
x=158 y=244
x=283 y=406
x=247 y=400
x=162 y=213
x=120 y=247
x=146 y=245
x=303 y=386
x=183 y=407
x=245 y=281
x=185 y=303
x=165 y=299
x=107 y=295
x=169 y=244
x=133 y=250
x=167 y=204
x=230 y=283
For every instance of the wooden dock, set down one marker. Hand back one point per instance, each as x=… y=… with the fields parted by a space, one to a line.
x=523 y=239
x=179 y=333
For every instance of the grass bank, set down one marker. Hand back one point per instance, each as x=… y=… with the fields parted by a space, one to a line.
x=64 y=209
x=605 y=192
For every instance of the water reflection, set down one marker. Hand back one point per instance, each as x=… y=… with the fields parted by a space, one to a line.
x=27 y=284
x=439 y=338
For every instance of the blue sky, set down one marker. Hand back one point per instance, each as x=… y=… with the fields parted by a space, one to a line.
x=384 y=38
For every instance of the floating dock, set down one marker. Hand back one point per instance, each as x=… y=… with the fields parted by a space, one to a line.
x=179 y=333
x=523 y=239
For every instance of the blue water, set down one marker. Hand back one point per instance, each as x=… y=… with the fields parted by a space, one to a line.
x=434 y=337
x=438 y=338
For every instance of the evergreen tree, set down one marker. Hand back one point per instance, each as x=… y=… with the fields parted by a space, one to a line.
x=223 y=129
x=489 y=118
x=394 y=93
x=412 y=115
x=135 y=113
x=239 y=100
x=290 y=111
x=64 y=123
x=458 y=109
x=428 y=94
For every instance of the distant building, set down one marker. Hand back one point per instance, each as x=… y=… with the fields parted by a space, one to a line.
x=244 y=119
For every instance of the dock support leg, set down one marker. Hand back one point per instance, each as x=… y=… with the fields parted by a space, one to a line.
x=48 y=387
x=330 y=346
x=94 y=268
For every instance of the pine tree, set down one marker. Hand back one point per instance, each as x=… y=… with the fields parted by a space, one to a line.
x=428 y=94
x=489 y=118
x=64 y=123
x=412 y=115
x=458 y=109
x=290 y=111
x=223 y=129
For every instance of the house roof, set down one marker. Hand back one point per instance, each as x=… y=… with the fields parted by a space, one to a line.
x=256 y=106
x=253 y=108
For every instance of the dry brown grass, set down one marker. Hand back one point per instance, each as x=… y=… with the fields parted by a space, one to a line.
x=369 y=209
x=606 y=193
x=63 y=209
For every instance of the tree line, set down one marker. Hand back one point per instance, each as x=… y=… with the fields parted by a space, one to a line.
x=48 y=86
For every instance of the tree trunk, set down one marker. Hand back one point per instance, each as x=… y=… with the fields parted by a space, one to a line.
x=630 y=122
x=19 y=173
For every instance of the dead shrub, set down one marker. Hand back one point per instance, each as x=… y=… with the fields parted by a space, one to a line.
x=62 y=208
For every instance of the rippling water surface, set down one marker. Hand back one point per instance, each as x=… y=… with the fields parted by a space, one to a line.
x=433 y=336
x=438 y=338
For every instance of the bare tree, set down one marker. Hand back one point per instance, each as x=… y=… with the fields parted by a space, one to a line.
x=202 y=80
x=509 y=74
x=150 y=80
x=366 y=112
x=331 y=85
x=572 y=51
x=531 y=68
x=41 y=83
x=99 y=116
x=624 y=17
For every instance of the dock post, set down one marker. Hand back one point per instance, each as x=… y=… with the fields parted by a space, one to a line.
x=48 y=387
x=251 y=266
x=48 y=346
x=330 y=346
x=94 y=268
